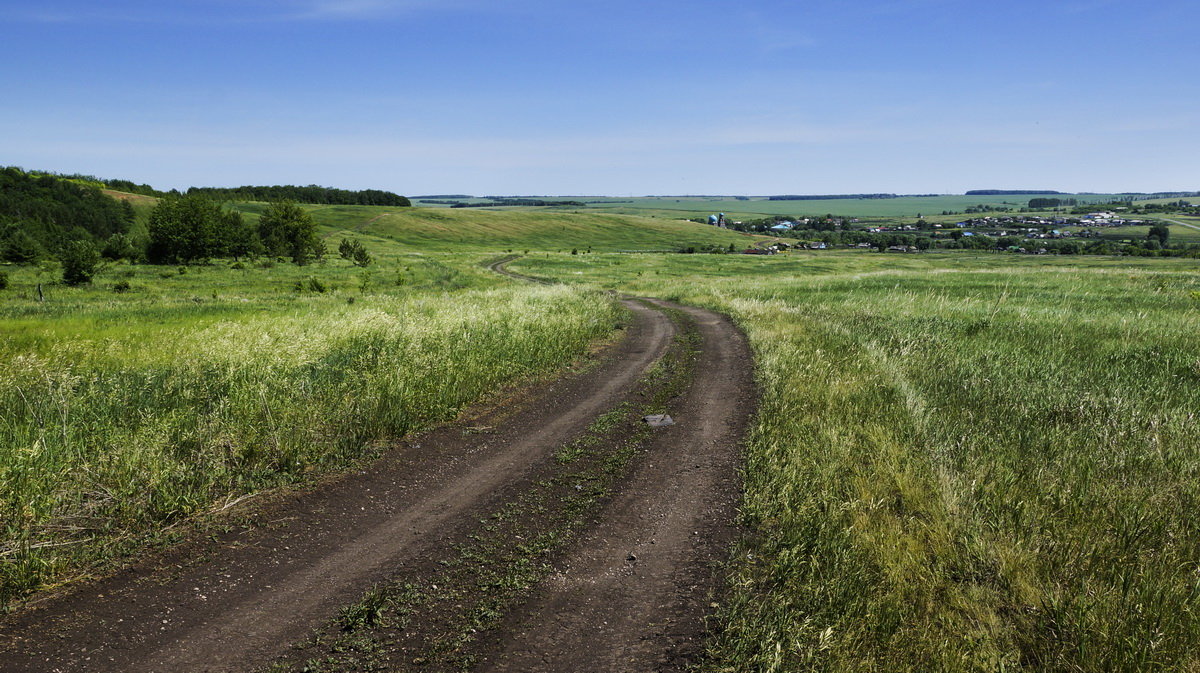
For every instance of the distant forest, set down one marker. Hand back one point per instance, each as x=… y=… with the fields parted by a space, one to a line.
x=309 y=194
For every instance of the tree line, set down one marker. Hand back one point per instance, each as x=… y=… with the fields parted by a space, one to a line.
x=310 y=194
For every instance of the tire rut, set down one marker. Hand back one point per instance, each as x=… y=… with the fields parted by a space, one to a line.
x=632 y=594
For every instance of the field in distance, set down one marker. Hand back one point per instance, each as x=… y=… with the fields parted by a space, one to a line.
x=759 y=206
x=470 y=229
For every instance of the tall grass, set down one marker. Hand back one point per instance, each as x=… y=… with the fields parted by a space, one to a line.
x=107 y=437
x=959 y=466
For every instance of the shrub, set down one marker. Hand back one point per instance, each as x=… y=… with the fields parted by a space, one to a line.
x=3 y=280
x=79 y=261
x=121 y=287
x=354 y=251
x=311 y=284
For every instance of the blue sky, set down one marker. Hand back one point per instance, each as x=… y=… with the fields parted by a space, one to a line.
x=615 y=97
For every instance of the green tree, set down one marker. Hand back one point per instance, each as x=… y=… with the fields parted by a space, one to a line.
x=191 y=228
x=238 y=238
x=287 y=230
x=355 y=252
x=1159 y=232
x=19 y=247
x=79 y=262
x=120 y=246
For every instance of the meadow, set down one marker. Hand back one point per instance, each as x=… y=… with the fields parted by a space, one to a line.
x=758 y=207
x=158 y=394
x=474 y=230
x=961 y=462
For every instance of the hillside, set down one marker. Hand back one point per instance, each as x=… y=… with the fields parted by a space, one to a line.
x=446 y=230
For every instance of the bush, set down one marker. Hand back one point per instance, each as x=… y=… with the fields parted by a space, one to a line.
x=120 y=246
x=355 y=252
x=79 y=261
x=121 y=287
x=3 y=280
x=311 y=284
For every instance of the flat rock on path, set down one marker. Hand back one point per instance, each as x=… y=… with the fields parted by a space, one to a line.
x=236 y=604
x=633 y=592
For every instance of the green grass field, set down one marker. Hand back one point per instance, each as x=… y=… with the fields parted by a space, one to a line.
x=758 y=207
x=961 y=463
x=475 y=230
x=158 y=392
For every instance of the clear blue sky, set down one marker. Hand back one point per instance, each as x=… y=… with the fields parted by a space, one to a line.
x=614 y=97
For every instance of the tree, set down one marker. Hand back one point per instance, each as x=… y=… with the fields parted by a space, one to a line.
x=18 y=246
x=355 y=252
x=240 y=239
x=119 y=246
x=191 y=228
x=1159 y=232
x=287 y=230
x=79 y=262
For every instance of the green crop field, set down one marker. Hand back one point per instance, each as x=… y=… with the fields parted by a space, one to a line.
x=961 y=462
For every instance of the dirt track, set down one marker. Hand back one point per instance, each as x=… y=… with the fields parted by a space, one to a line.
x=629 y=594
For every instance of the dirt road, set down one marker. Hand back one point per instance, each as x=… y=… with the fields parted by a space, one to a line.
x=642 y=573
x=632 y=593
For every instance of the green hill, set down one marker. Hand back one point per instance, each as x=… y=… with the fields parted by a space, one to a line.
x=446 y=230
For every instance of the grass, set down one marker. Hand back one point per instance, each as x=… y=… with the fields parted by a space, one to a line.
x=125 y=413
x=961 y=463
x=473 y=230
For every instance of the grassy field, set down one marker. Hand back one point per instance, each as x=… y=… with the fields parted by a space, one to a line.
x=124 y=412
x=474 y=230
x=961 y=463
x=758 y=207
x=158 y=392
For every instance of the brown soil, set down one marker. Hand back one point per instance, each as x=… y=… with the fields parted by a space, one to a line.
x=634 y=591
x=630 y=593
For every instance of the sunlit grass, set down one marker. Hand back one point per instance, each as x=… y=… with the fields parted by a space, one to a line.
x=124 y=413
x=968 y=463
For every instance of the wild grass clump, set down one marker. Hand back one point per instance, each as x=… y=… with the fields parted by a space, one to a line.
x=106 y=439
x=959 y=466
